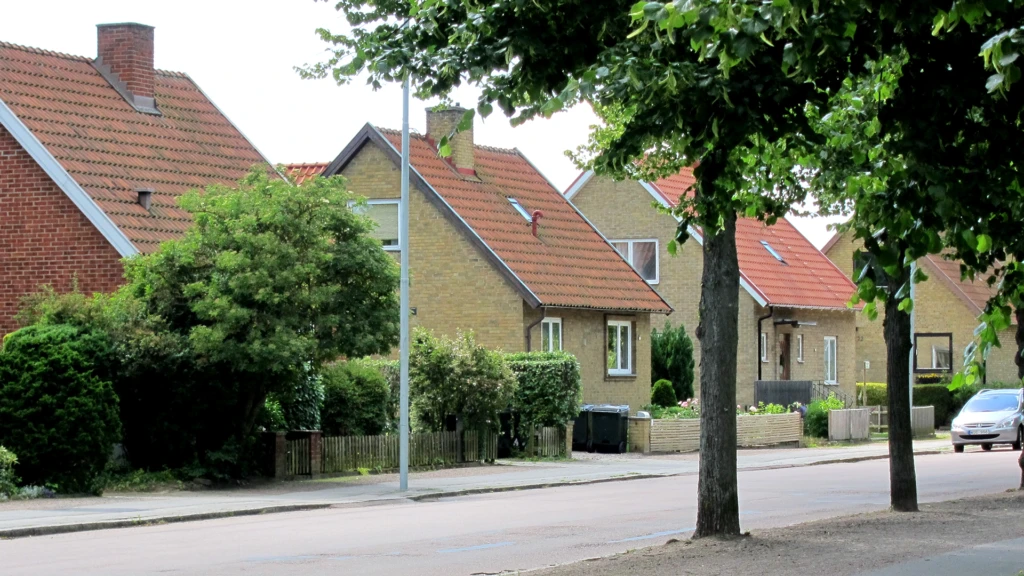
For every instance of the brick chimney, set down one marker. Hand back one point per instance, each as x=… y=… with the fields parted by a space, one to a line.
x=440 y=123
x=125 y=59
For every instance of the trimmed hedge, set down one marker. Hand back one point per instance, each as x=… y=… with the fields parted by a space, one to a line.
x=356 y=398
x=57 y=416
x=877 y=393
x=663 y=394
x=549 y=390
x=947 y=403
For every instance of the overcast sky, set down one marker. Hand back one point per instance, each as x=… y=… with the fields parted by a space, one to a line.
x=242 y=53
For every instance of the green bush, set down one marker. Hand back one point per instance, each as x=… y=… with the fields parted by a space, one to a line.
x=456 y=377
x=55 y=413
x=391 y=371
x=355 y=400
x=8 y=481
x=937 y=395
x=672 y=359
x=877 y=393
x=548 y=390
x=816 y=418
x=271 y=418
x=663 y=394
x=763 y=408
x=302 y=403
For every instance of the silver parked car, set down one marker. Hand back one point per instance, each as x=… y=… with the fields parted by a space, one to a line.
x=990 y=417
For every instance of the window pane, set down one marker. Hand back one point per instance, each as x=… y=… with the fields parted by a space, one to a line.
x=613 y=338
x=556 y=336
x=386 y=217
x=623 y=248
x=932 y=352
x=545 y=336
x=623 y=347
x=645 y=259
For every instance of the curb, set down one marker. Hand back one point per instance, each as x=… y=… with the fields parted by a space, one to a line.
x=10 y=533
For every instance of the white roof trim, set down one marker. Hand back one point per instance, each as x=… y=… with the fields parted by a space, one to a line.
x=65 y=182
x=578 y=184
x=656 y=195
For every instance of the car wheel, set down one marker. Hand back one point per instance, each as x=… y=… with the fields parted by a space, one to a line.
x=1020 y=439
x=986 y=447
x=622 y=447
x=590 y=447
x=958 y=448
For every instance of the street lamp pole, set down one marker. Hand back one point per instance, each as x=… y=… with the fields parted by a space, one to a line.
x=403 y=243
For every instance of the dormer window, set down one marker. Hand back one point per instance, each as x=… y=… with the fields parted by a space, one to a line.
x=772 y=251
x=519 y=208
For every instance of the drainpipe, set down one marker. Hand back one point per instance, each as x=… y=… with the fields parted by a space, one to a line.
x=531 y=327
x=771 y=312
x=537 y=215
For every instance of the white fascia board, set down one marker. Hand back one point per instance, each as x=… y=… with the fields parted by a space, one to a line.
x=744 y=283
x=578 y=184
x=65 y=182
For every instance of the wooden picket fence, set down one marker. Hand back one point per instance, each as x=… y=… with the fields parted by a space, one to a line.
x=298 y=463
x=549 y=442
x=683 y=435
x=349 y=453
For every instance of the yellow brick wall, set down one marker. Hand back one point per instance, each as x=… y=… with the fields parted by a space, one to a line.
x=452 y=285
x=937 y=310
x=622 y=210
x=583 y=335
x=841 y=325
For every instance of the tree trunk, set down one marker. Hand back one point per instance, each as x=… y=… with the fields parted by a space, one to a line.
x=718 y=511
x=902 y=477
x=1018 y=358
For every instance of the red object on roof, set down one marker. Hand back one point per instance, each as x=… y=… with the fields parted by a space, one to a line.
x=303 y=172
x=802 y=276
x=568 y=264
x=111 y=149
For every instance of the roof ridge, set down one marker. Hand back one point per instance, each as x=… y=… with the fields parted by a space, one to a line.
x=304 y=164
x=172 y=73
x=511 y=151
x=43 y=52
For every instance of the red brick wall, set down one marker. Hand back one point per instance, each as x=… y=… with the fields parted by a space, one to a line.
x=44 y=238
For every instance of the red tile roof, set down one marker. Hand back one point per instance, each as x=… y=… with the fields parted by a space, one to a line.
x=974 y=294
x=805 y=278
x=110 y=149
x=569 y=264
x=303 y=172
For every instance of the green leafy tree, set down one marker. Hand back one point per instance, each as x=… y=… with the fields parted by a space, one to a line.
x=457 y=377
x=672 y=359
x=272 y=278
x=56 y=414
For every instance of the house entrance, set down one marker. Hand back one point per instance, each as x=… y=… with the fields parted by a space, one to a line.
x=783 y=369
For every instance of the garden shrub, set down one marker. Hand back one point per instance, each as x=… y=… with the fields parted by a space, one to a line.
x=56 y=414
x=355 y=400
x=816 y=418
x=877 y=394
x=8 y=481
x=672 y=359
x=937 y=395
x=392 y=373
x=663 y=394
x=763 y=408
x=456 y=377
x=302 y=403
x=271 y=418
x=549 y=390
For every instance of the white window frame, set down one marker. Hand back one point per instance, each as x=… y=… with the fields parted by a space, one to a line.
x=800 y=348
x=764 y=346
x=521 y=209
x=354 y=205
x=618 y=324
x=833 y=342
x=935 y=358
x=547 y=326
x=629 y=256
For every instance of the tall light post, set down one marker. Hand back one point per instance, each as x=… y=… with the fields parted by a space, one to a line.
x=403 y=244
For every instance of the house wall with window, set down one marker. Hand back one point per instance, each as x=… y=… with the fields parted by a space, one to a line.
x=814 y=332
x=451 y=285
x=938 y=311
x=585 y=335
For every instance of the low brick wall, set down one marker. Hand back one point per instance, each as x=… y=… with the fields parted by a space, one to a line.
x=768 y=430
x=640 y=435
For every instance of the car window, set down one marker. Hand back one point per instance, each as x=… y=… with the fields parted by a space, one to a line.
x=992 y=403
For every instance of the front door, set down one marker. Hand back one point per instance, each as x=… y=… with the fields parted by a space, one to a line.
x=783 y=357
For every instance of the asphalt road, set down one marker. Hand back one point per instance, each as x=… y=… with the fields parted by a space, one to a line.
x=488 y=534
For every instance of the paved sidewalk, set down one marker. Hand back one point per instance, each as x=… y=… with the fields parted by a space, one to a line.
x=25 y=518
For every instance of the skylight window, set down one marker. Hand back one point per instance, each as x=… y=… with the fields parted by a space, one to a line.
x=519 y=208
x=772 y=251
